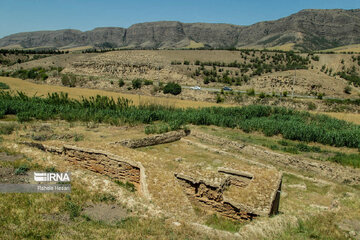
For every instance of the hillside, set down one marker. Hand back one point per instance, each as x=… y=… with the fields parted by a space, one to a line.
x=305 y=30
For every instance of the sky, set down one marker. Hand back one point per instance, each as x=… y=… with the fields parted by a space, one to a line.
x=34 y=15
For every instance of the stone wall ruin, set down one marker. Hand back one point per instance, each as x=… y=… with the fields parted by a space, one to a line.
x=212 y=196
x=105 y=163
x=154 y=139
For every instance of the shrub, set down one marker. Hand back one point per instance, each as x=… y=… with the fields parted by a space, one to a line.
x=219 y=99
x=262 y=95
x=121 y=82
x=320 y=95
x=69 y=81
x=172 y=88
x=137 y=83
x=285 y=93
x=148 y=82
x=250 y=92
x=311 y=106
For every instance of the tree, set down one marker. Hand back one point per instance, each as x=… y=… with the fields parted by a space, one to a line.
x=172 y=88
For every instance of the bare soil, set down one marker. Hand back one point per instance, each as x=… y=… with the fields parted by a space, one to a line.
x=109 y=213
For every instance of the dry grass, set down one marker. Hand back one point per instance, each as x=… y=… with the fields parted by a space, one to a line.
x=350 y=117
x=42 y=89
x=74 y=49
x=194 y=44
x=285 y=47
x=166 y=193
x=347 y=48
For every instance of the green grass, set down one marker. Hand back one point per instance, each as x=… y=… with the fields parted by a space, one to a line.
x=22 y=169
x=55 y=216
x=346 y=159
x=127 y=185
x=288 y=146
x=318 y=227
x=222 y=223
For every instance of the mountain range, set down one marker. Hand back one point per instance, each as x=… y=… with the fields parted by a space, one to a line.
x=310 y=29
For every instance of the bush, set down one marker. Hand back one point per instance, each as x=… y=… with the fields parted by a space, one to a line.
x=219 y=99
x=172 y=88
x=137 y=83
x=262 y=95
x=250 y=92
x=68 y=80
x=4 y=86
x=121 y=83
x=320 y=95
x=285 y=93
x=311 y=106
x=148 y=82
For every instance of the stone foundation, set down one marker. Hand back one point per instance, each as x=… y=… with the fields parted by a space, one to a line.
x=102 y=162
x=212 y=196
x=154 y=140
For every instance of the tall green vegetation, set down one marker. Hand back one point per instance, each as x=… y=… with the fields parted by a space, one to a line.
x=37 y=73
x=289 y=123
x=4 y=86
x=137 y=83
x=173 y=88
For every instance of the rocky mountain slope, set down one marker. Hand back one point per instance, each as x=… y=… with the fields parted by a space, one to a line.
x=305 y=30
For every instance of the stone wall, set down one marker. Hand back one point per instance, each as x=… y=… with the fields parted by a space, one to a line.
x=153 y=140
x=224 y=197
x=210 y=197
x=102 y=162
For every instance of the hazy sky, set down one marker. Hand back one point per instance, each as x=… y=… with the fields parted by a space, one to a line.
x=32 y=15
